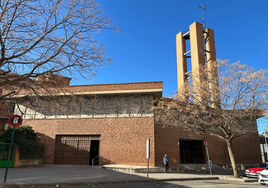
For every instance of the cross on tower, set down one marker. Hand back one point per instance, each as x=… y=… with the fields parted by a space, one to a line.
x=202 y=10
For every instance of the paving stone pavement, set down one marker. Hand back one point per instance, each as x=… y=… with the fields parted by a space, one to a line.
x=83 y=174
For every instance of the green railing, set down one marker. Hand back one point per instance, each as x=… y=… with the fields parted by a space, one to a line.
x=4 y=147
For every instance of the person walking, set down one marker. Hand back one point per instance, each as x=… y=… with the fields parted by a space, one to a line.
x=165 y=160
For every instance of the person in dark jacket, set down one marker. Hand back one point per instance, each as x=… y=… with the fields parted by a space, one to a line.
x=165 y=160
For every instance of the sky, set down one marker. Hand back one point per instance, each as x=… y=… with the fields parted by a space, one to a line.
x=144 y=49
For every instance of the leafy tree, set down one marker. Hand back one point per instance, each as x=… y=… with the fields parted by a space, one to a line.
x=24 y=137
x=225 y=105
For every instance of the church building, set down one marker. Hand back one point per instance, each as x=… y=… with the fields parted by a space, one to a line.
x=112 y=122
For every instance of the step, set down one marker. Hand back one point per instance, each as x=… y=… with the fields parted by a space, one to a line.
x=141 y=169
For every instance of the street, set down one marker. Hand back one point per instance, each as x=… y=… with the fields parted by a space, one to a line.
x=75 y=176
x=175 y=184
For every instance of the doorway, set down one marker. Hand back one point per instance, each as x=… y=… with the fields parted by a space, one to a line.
x=191 y=151
x=94 y=152
x=76 y=149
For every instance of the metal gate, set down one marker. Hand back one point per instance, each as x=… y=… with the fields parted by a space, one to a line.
x=73 y=149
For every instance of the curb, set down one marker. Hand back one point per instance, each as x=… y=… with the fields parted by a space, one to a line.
x=237 y=179
x=101 y=183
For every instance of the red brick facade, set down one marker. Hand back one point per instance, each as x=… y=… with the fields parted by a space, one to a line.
x=167 y=142
x=104 y=87
x=122 y=140
x=246 y=148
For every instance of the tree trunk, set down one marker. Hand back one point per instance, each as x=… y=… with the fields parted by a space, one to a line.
x=232 y=158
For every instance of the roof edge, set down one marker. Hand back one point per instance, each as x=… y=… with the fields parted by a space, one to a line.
x=117 y=83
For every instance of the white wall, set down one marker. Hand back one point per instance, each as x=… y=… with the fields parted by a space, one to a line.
x=102 y=106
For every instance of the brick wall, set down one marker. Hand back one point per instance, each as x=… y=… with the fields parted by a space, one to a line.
x=113 y=87
x=122 y=140
x=246 y=147
x=103 y=87
x=166 y=142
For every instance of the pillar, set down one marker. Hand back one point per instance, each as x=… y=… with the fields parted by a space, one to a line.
x=212 y=69
x=181 y=62
x=198 y=63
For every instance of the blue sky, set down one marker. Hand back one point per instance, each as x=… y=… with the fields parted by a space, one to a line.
x=145 y=49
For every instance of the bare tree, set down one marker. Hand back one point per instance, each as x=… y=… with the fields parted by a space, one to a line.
x=226 y=108
x=39 y=39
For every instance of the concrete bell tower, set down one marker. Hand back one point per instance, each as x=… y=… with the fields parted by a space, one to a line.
x=204 y=71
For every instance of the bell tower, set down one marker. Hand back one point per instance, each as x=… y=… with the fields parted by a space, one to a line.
x=204 y=71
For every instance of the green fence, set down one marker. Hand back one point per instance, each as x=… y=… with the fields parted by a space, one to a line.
x=4 y=147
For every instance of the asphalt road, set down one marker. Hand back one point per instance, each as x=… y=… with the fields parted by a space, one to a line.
x=175 y=184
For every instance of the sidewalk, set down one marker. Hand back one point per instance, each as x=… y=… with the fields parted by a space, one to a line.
x=64 y=175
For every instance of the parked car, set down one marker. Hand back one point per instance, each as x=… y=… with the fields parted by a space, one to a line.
x=263 y=177
x=255 y=170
